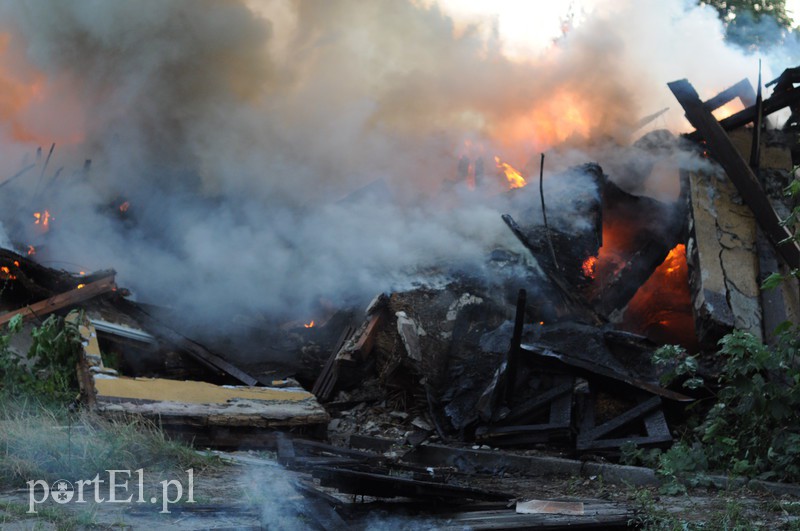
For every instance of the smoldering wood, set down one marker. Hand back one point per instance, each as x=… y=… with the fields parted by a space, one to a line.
x=62 y=300
x=571 y=300
x=192 y=348
x=660 y=227
x=737 y=169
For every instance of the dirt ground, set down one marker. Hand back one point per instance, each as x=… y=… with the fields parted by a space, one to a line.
x=257 y=493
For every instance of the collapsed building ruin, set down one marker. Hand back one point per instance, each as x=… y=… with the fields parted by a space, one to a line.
x=548 y=350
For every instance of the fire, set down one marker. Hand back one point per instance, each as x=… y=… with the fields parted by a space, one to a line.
x=589 y=267
x=661 y=309
x=675 y=260
x=515 y=178
x=124 y=206
x=81 y=286
x=729 y=109
x=7 y=273
x=31 y=250
x=309 y=325
x=43 y=219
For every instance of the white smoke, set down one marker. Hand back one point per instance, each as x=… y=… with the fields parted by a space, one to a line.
x=234 y=130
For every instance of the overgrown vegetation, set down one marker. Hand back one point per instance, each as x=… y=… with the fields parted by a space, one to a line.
x=48 y=370
x=50 y=444
x=43 y=436
x=751 y=427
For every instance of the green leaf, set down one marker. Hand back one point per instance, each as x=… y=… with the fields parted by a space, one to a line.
x=772 y=281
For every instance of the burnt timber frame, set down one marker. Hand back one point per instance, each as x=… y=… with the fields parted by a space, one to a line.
x=649 y=412
x=737 y=168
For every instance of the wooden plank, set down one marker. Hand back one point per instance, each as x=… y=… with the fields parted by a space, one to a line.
x=184 y=344
x=62 y=300
x=737 y=169
x=742 y=90
x=772 y=104
x=629 y=416
x=322 y=383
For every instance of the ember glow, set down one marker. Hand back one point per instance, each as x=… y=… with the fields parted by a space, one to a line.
x=514 y=178
x=6 y=273
x=124 y=206
x=661 y=309
x=31 y=250
x=309 y=325
x=43 y=219
x=589 y=267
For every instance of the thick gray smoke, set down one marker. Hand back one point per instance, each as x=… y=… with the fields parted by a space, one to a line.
x=237 y=132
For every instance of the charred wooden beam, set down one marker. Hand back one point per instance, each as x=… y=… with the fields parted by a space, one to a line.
x=647 y=413
x=509 y=382
x=574 y=302
x=62 y=300
x=184 y=344
x=353 y=347
x=742 y=90
x=388 y=486
x=560 y=360
x=772 y=104
x=737 y=169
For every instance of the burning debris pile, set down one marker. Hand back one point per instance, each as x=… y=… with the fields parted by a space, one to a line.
x=546 y=346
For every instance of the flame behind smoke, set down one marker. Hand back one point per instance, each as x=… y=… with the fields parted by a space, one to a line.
x=514 y=178
x=235 y=127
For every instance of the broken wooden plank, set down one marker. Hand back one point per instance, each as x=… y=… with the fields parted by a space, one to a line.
x=595 y=515
x=737 y=169
x=184 y=344
x=742 y=90
x=352 y=347
x=647 y=413
x=772 y=104
x=545 y=354
x=62 y=300
x=323 y=385
x=391 y=486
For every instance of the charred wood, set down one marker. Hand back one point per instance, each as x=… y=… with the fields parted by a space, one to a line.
x=737 y=169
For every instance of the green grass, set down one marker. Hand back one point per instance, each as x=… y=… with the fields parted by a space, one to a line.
x=51 y=442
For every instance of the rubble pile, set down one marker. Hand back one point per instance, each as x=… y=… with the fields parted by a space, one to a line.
x=547 y=349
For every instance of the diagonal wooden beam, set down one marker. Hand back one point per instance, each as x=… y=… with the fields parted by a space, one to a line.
x=62 y=300
x=737 y=170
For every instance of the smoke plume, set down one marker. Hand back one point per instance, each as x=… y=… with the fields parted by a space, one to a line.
x=237 y=132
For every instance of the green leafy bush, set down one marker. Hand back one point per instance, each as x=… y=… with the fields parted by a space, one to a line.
x=48 y=372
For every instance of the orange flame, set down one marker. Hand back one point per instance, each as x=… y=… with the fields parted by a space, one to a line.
x=31 y=250
x=43 y=219
x=81 y=286
x=309 y=325
x=124 y=206
x=514 y=178
x=589 y=267
x=7 y=273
